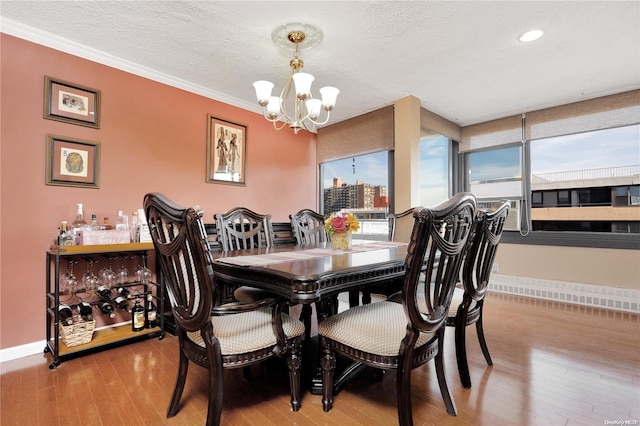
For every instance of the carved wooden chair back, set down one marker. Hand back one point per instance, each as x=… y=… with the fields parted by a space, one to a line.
x=400 y=225
x=241 y=228
x=308 y=227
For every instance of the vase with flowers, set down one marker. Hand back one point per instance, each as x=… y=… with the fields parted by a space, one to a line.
x=339 y=227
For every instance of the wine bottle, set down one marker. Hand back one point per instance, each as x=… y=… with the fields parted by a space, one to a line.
x=86 y=311
x=65 y=314
x=65 y=238
x=123 y=304
x=151 y=313
x=123 y=291
x=107 y=309
x=137 y=317
x=104 y=293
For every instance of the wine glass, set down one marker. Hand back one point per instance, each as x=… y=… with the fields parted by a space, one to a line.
x=107 y=276
x=143 y=274
x=89 y=279
x=122 y=276
x=68 y=281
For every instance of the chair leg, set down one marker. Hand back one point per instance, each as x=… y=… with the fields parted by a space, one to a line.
x=483 y=342
x=366 y=297
x=403 y=390
x=354 y=298
x=305 y=317
x=461 y=349
x=294 y=362
x=328 y=363
x=442 y=380
x=183 y=367
x=214 y=412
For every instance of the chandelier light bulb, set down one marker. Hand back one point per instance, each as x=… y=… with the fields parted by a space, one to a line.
x=302 y=81
x=329 y=97
x=263 y=91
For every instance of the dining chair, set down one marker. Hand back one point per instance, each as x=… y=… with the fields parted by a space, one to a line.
x=467 y=304
x=216 y=337
x=403 y=336
x=400 y=226
x=308 y=229
x=241 y=228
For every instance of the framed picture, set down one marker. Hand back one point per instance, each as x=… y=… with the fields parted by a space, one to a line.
x=226 y=151
x=72 y=162
x=71 y=103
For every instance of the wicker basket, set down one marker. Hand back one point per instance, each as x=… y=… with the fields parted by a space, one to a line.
x=78 y=333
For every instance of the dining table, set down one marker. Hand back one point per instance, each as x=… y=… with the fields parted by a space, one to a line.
x=314 y=274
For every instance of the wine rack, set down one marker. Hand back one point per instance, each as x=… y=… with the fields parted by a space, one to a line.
x=63 y=287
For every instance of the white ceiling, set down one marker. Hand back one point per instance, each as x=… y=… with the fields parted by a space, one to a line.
x=461 y=59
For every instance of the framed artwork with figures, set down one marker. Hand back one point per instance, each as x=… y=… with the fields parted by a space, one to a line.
x=72 y=162
x=226 y=151
x=71 y=103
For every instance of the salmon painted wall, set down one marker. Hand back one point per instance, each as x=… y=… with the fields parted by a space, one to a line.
x=153 y=138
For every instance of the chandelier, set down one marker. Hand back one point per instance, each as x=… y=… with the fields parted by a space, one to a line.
x=303 y=110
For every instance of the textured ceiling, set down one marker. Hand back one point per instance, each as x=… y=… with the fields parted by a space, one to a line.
x=461 y=59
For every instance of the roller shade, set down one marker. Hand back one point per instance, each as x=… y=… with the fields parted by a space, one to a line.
x=364 y=134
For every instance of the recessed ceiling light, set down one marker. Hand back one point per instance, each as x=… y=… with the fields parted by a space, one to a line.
x=531 y=36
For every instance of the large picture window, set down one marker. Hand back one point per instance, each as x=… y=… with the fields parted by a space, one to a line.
x=359 y=185
x=587 y=181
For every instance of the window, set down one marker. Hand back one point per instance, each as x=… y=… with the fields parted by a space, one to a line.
x=496 y=173
x=585 y=172
x=360 y=185
x=434 y=170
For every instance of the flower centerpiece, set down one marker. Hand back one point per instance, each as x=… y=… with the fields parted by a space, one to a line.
x=339 y=227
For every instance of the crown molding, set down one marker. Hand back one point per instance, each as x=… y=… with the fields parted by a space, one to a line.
x=44 y=38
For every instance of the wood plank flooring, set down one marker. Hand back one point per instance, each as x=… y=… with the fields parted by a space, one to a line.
x=554 y=364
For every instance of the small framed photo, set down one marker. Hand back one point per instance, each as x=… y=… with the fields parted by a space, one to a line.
x=71 y=103
x=72 y=162
x=226 y=151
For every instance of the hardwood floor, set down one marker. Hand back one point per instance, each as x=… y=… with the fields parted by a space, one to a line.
x=554 y=364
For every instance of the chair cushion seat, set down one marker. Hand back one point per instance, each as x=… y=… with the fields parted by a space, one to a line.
x=376 y=328
x=458 y=294
x=248 y=331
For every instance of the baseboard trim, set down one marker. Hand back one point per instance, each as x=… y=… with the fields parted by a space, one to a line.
x=595 y=296
x=35 y=347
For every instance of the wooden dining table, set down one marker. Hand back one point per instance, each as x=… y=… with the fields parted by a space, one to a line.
x=314 y=274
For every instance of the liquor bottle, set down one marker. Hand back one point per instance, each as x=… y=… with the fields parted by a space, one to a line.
x=107 y=309
x=151 y=313
x=79 y=223
x=123 y=291
x=65 y=238
x=106 y=226
x=94 y=226
x=65 y=314
x=123 y=304
x=122 y=223
x=104 y=293
x=86 y=311
x=137 y=317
